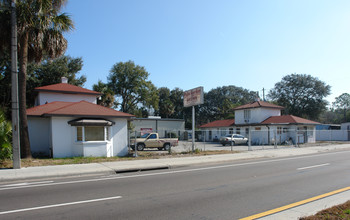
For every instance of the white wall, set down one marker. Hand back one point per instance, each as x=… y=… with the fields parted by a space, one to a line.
x=39 y=135
x=63 y=137
x=345 y=126
x=65 y=144
x=257 y=115
x=332 y=135
x=95 y=149
x=162 y=125
x=119 y=132
x=44 y=97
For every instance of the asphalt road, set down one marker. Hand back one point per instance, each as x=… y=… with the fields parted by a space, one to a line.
x=220 y=191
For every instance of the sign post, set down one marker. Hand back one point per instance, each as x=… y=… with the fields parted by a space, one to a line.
x=192 y=98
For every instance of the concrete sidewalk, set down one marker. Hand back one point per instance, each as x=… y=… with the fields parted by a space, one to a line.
x=136 y=165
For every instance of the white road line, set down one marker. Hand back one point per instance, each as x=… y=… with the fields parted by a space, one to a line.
x=310 y=167
x=59 y=205
x=165 y=173
x=26 y=184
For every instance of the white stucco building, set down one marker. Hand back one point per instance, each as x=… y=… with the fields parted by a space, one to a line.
x=163 y=126
x=67 y=122
x=265 y=123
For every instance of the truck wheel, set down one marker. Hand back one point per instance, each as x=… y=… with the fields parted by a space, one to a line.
x=166 y=147
x=140 y=147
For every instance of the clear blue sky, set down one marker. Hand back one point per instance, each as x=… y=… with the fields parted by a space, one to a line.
x=211 y=43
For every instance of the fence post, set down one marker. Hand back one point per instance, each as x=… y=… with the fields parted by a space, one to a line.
x=204 y=139
x=331 y=135
x=296 y=136
x=249 y=140
x=275 y=137
x=135 y=154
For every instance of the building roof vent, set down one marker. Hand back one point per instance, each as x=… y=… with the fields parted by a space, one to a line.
x=64 y=79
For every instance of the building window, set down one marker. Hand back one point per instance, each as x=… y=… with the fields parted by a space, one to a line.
x=231 y=131
x=92 y=133
x=247 y=114
x=279 y=130
x=79 y=133
x=223 y=132
x=238 y=130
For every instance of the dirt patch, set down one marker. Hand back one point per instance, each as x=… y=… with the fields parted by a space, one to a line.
x=334 y=213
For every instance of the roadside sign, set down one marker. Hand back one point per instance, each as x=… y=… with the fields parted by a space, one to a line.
x=194 y=97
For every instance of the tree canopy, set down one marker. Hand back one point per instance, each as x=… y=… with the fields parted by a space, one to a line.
x=131 y=86
x=342 y=103
x=50 y=72
x=219 y=102
x=107 y=98
x=301 y=95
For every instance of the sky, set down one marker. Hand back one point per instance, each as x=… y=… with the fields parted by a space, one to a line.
x=251 y=44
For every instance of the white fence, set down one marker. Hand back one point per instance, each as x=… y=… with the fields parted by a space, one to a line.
x=332 y=135
x=206 y=140
x=256 y=137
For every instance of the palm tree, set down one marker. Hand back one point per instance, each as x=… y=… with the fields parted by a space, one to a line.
x=40 y=28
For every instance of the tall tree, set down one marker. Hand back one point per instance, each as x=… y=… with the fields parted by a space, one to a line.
x=130 y=84
x=50 y=72
x=219 y=102
x=302 y=95
x=342 y=103
x=166 y=107
x=107 y=98
x=40 y=28
x=176 y=97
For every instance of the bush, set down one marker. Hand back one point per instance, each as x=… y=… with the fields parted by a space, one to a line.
x=5 y=137
x=171 y=135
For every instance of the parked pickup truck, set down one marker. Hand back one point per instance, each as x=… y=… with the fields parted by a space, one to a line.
x=152 y=140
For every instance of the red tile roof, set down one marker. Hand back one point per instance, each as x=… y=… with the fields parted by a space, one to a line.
x=287 y=119
x=219 y=123
x=82 y=108
x=66 y=88
x=258 y=104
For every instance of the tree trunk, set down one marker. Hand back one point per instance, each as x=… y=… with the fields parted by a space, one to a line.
x=22 y=79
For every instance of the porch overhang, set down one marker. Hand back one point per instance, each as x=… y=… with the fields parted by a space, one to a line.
x=91 y=122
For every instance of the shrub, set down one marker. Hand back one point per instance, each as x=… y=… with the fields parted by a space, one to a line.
x=5 y=137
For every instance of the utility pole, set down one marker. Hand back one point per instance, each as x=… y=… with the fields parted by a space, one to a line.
x=14 y=92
